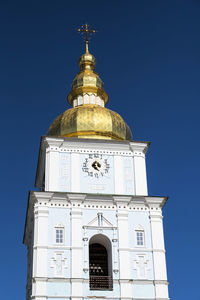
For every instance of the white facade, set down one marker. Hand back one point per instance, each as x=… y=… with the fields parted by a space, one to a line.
x=80 y=204
x=64 y=161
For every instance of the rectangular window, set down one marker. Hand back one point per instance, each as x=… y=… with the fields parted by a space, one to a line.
x=140 y=238
x=59 y=236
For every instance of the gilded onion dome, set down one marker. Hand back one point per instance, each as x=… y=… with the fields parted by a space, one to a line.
x=88 y=118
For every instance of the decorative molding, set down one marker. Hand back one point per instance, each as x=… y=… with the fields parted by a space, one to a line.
x=59 y=198
x=85 y=239
x=141 y=264
x=133 y=281
x=115 y=252
x=139 y=227
x=60 y=225
x=139 y=147
x=64 y=171
x=88 y=151
x=59 y=263
x=124 y=148
x=128 y=168
x=99 y=221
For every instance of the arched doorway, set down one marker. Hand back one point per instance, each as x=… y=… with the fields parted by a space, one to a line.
x=100 y=263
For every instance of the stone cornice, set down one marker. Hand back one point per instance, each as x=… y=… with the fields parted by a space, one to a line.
x=71 y=142
x=140 y=146
x=156 y=201
x=147 y=201
x=76 y=197
x=81 y=145
x=133 y=281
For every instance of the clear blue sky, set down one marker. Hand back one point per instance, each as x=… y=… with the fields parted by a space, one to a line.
x=148 y=55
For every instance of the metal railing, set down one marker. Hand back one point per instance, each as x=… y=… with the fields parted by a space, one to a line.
x=101 y=282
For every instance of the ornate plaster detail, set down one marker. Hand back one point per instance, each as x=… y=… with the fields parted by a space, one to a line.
x=59 y=263
x=99 y=221
x=59 y=225
x=141 y=264
x=139 y=227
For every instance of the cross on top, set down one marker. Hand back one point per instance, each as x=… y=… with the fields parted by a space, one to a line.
x=87 y=32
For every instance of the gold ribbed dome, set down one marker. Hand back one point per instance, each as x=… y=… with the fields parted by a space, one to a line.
x=90 y=121
x=89 y=118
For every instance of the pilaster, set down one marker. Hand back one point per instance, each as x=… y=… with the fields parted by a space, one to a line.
x=76 y=247
x=124 y=250
x=40 y=250
x=52 y=169
x=160 y=272
x=139 y=151
x=140 y=174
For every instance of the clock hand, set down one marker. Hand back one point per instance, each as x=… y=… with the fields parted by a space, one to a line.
x=96 y=165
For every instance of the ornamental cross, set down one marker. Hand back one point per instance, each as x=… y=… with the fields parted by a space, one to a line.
x=87 y=32
x=58 y=262
x=142 y=266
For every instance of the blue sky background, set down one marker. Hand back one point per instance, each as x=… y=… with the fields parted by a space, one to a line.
x=148 y=55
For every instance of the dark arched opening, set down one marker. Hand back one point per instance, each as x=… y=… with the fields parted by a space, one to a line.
x=98 y=260
x=100 y=273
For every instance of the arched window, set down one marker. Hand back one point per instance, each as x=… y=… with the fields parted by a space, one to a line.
x=100 y=259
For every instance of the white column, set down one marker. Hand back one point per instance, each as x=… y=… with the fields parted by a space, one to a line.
x=47 y=166
x=40 y=251
x=52 y=170
x=124 y=255
x=160 y=273
x=76 y=253
x=140 y=174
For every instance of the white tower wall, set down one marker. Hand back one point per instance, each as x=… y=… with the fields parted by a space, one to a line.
x=113 y=210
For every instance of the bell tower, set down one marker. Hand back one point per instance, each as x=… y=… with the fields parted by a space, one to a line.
x=92 y=230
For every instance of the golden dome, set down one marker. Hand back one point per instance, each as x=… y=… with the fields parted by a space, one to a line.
x=87 y=61
x=89 y=118
x=87 y=80
x=90 y=121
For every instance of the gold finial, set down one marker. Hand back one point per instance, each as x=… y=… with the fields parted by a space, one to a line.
x=85 y=30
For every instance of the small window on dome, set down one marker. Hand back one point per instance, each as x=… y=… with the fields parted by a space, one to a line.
x=86 y=99
x=75 y=102
x=98 y=100
x=92 y=99
x=80 y=100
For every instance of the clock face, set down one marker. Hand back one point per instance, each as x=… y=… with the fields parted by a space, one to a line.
x=96 y=165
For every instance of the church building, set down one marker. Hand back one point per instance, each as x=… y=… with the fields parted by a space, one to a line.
x=92 y=231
